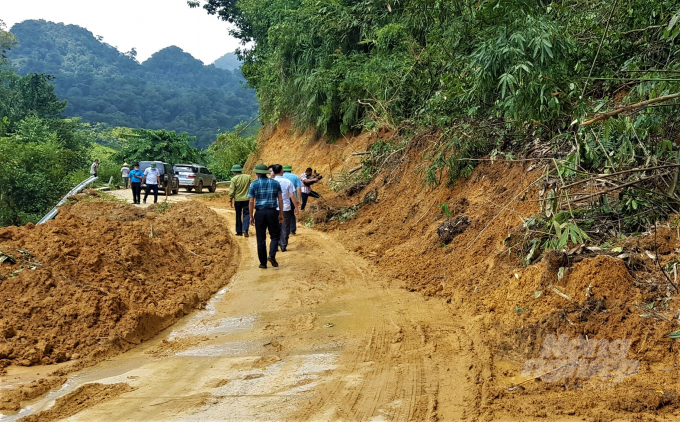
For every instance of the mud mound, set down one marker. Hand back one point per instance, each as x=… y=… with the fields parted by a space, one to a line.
x=104 y=277
x=84 y=397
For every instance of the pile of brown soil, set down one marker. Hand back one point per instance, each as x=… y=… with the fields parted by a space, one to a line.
x=103 y=277
x=512 y=308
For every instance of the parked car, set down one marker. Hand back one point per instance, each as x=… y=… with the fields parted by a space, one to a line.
x=194 y=176
x=167 y=175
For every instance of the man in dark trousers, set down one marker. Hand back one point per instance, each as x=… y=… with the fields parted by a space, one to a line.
x=136 y=176
x=265 y=196
x=306 y=190
x=238 y=198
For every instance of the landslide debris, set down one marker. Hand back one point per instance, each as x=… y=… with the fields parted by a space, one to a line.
x=103 y=277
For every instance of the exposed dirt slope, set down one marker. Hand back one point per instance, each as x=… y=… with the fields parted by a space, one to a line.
x=95 y=282
x=608 y=298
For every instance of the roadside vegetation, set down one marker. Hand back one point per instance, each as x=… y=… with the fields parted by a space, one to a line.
x=43 y=155
x=588 y=90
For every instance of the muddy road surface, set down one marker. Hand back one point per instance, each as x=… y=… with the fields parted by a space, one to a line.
x=321 y=337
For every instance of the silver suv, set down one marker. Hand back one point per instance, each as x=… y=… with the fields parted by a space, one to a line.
x=194 y=176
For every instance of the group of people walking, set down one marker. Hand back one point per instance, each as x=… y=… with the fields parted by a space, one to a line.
x=270 y=204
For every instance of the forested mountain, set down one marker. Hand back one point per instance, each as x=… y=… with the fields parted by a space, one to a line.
x=229 y=61
x=171 y=90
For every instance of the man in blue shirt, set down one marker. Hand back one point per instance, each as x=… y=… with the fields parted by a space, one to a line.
x=265 y=196
x=136 y=183
x=297 y=184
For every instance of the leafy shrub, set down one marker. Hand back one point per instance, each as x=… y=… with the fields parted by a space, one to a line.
x=230 y=148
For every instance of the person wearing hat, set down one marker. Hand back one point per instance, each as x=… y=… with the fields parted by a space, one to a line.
x=136 y=176
x=124 y=173
x=238 y=199
x=151 y=177
x=265 y=196
x=297 y=184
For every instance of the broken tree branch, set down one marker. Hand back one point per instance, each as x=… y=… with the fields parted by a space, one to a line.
x=635 y=182
x=631 y=107
x=607 y=175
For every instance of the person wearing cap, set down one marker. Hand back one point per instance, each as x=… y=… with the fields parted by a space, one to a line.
x=124 y=173
x=238 y=199
x=151 y=178
x=297 y=184
x=136 y=176
x=265 y=196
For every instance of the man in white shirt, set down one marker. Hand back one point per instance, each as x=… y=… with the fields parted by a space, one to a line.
x=288 y=194
x=151 y=177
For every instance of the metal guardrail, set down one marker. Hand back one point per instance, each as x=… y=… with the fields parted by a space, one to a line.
x=53 y=213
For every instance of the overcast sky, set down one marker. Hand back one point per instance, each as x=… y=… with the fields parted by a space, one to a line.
x=147 y=25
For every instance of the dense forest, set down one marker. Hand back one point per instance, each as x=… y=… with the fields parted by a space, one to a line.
x=44 y=154
x=171 y=90
x=591 y=85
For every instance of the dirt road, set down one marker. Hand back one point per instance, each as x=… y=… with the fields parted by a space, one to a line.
x=322 y=337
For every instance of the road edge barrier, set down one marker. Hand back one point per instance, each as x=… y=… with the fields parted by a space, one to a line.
x=53 y=213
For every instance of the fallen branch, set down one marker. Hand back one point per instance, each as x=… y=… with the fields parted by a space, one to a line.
x=656 y=257
x=559 y=293
x=631 y=107
x=355 y=169
x=635 y=182
x=607 y=175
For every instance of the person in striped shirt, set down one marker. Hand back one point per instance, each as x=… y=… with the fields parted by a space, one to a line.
x=306 y=189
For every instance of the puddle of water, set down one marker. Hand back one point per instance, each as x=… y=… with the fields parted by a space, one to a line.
x=232 y=348
x=199 y=327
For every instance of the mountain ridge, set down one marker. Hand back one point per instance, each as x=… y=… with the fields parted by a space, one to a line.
x=170 y=90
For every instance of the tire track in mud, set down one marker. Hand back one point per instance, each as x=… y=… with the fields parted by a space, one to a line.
x=388 y=354
x=403 y=369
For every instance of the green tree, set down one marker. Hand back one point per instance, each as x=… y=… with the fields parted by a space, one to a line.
x=7 y=40
x=159 y=145
x=230 y=148
x=35 y=161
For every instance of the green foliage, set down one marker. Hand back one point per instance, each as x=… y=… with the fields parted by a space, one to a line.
x=345 y=213
x=230 y=148
x=159 y=145
x=564 y=233
x=341 y=66
x=171 y=90
x=445 y=209
x=7 y=40
x=35 y=162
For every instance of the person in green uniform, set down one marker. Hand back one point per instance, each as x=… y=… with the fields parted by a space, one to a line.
x=238 y=199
